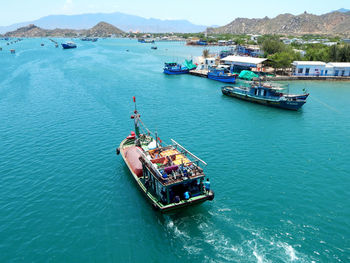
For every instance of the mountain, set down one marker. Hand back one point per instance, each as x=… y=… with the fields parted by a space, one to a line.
x=124 y=21
x=288 y=24
x=102 y=29
x=342 y=10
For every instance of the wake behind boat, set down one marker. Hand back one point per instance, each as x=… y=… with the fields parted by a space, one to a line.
x=169 y=176
x=268 y=95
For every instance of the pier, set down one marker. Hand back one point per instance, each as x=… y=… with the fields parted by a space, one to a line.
x=200 y=73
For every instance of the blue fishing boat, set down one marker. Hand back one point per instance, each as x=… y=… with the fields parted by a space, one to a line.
x=221 y=74
x=173 y=68
x=69 y=45
x=268 y=95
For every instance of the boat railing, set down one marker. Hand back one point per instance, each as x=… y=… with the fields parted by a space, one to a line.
x=188 y=152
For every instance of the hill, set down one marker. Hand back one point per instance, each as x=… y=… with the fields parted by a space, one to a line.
x=124 y=21
x=102 y=29
x=334 y=23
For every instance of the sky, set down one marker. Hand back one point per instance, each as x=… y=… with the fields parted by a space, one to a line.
x=201 y=12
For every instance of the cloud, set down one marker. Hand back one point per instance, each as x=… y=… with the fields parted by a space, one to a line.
x=68 y=6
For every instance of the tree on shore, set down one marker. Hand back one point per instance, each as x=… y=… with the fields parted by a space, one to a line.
x=205 y=53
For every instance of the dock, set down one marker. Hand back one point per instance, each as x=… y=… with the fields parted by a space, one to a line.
x=200 y=73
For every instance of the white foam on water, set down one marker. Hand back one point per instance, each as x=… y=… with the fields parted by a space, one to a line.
x=258 y=257
x=291 y=252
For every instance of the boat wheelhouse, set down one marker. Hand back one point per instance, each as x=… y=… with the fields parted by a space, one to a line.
x=170 y=176
x=268 y=95
x=172 y=68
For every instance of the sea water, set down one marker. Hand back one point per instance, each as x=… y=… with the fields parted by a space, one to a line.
x=281 y=178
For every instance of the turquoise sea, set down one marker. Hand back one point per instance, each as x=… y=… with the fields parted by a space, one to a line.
x=281 y=178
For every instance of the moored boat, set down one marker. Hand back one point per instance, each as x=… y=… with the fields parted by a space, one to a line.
x=219 y=74
x=154 y=47
x=69 y=45
x=169 y=176
x=173 y=68
x=267 y=95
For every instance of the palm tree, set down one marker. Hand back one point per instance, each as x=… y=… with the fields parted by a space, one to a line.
x=205 y=53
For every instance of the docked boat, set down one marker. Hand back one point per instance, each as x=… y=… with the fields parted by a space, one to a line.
x=220 y=74
x=169 y=176
x=69 y=45
x=268 y=95
x=173 y=68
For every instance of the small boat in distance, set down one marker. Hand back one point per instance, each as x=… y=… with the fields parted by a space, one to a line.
x=170 y=176
x=145 y=40
x=173 y=68
x=221 y=75
x=268 y=95
x=154 y=48
x=69 y=45
x=92 y=39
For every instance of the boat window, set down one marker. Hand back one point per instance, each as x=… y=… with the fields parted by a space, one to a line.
x=336 y=73
x=343 y=73
x=300 y=70
x=307 y=71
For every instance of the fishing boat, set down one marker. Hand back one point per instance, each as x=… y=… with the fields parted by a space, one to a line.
x=268 y=95
x=69 y=45
x=170 y=176
x=221 y=74
x=145 y=40
x=173 y=68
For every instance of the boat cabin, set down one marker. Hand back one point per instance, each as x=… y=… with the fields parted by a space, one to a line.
x=172 y=173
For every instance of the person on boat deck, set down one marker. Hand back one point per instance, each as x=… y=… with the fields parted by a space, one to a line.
x=187 y=195
x=207 y=185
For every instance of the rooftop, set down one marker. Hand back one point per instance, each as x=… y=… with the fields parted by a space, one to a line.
x=309 y=63
x=247 y=60
x=339 y=64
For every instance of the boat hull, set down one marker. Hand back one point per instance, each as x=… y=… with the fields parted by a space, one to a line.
x=225 y=79
x=176 y=72
x=156 y=204
x=65 y=46
x=287 y=104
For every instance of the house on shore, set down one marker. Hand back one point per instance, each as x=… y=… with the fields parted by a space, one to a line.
x=319 y=68
x=239 y=63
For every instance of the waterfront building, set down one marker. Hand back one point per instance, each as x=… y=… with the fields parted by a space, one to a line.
x=239 y=63
x=309 y=68
x=319 y=68
x=339 y=69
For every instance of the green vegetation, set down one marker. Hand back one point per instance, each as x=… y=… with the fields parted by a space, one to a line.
x=282 y=55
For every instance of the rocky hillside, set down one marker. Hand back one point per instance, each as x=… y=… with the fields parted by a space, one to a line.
x=334 y=23
x=102 y=29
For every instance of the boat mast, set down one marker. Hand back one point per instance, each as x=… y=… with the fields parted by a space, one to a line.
x=136 y=118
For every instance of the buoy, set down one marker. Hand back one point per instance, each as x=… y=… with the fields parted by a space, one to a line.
x=12 y=51
x=117 y=151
